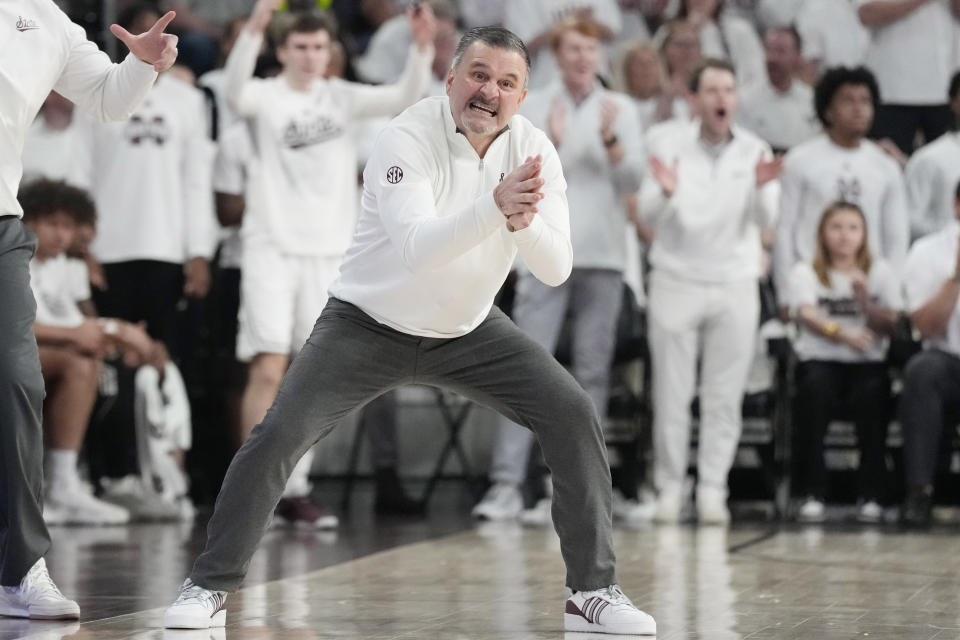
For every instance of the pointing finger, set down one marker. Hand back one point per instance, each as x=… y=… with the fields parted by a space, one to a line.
x=162 y=23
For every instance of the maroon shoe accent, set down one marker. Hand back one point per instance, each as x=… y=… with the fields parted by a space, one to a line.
x=300 y=509
x=575 y=610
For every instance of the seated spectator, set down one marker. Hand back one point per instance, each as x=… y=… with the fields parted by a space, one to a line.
x=725 y=35
x=931 y=390
x=779 y=108
x=72 y=344
x=931 y=174
x=679 y=48
x=845 y=303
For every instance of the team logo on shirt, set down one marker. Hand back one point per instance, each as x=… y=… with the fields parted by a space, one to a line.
x=849 y=190
x=305 y=132
x=394 y=174
x=140 y=130
x=26 y=24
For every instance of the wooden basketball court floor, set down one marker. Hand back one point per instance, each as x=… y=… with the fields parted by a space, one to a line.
x=445 y=578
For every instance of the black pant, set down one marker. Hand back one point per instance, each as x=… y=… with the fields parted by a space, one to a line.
x=23 y=535
x=826 y=391
x=147 y=290
x=901 y=122
x=930 y=402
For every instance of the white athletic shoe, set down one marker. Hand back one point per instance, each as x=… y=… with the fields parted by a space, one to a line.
x=712 y=506
x=37 y=597
x=539 y=516
x=606 y=610
x=632 y=511
x=196 y=608
x=669 y=504
x=501 y=502
x=74 y=503
x=869 y=512
x=812 y=510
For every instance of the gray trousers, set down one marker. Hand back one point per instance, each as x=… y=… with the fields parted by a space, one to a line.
x=23 y=535
x=593 y=298
x=351 y=359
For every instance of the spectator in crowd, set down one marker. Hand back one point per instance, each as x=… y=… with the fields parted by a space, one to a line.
x=779 y=108
x=830 y=30
x=931 y=174
x=597 y=135
x=156 y=166
x=727 y=36
x=840 y=164
x=202 y=25
x=49 y=148
x=679 y=48
x=641 y=18
x=912 y=53
x=534 y=20
x=642 y=78
x=846 y=303
x=930 y=401
x=710 y=190
x=482 y=13
x=302 y=199
x=211 y=82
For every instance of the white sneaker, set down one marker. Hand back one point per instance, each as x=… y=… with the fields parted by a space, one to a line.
x=870 y=512
x=632 y=511
x=812 y=510
x=196 y=608
x=143 y=505
x=712 y=506
x=539 y=516
x=669 y=504
x=606 y=610
x=37 y=597
x=74 y=503
x=501 y=502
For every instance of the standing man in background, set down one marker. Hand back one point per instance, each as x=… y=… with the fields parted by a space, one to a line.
x=43 y=50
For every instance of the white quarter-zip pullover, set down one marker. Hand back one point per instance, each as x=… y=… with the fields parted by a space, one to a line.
x=40 y=48
x=432 y=248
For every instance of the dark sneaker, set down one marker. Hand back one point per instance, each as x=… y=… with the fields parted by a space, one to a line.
x=918 y=508
x=303 y=513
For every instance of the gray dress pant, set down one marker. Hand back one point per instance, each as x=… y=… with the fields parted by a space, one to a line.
x=351 y=359
x=23 y=535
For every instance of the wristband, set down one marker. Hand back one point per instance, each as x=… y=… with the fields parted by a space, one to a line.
x=831 y=329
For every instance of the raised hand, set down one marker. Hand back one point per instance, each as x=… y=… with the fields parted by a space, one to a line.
x=423 y=25
x=154 y=46
x=766 y=171
x=665 y=176
x=261 y=15
x=519 y=192
x=608 y=115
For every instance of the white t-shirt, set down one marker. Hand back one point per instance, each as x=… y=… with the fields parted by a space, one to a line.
x=302 y=195
x=595 y=188
x=234 y=151
x=837 y=303
x=214 y=81
x=733 y=38
x=432 y=248
x=914 y=57
x=150 y=179
x=784 y=120
x=817 y=173
x=49 y=153
x=832 y=33
x=931 y=262
x=931 y=175
x=58 y=284
x=531 y=18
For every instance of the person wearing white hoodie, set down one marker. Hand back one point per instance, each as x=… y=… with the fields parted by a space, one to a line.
x=457 y=187
x=711 y=190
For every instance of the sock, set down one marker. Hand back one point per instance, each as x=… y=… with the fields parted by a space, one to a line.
x=61 y=466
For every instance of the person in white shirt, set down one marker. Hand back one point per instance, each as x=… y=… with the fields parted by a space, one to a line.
x=457 y=187
x=597 y=135
x=840 y=164
x=642 y=77
x=846 y=304
x=43 y=51
x=725 y=35
x=711 y=190
x=50 y=145
x=679 y=47
x=931 y=174
x=301 y=199
x=913 y=51
x=779 y=108
x=930 y=401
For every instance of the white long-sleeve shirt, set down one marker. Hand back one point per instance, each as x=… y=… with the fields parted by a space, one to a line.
x=150 y=179
x=709 y=229
x=595 y=187
x=931 y=262
x=783 y=119
x=931 y=175
x=818 y=173
x=40 y=50
x=303 y=184
x=432 y=248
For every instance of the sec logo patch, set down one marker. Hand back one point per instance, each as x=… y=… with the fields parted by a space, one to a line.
x=394 y=174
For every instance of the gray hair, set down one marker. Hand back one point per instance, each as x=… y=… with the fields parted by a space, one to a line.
x=495 y=37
